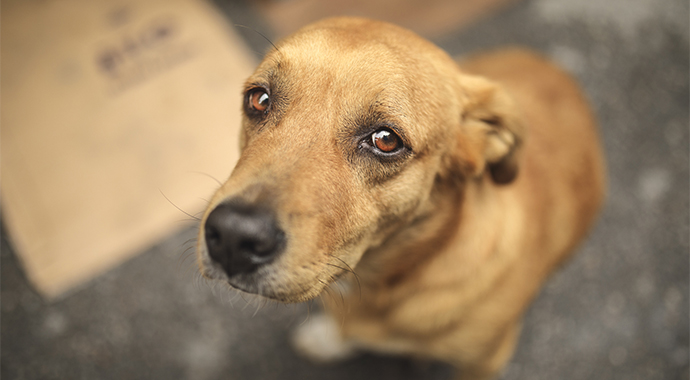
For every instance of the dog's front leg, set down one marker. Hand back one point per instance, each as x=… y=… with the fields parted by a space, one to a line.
x=321 y=340
x=488 y=364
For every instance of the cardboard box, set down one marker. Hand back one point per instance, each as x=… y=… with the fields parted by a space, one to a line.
x=109 y=107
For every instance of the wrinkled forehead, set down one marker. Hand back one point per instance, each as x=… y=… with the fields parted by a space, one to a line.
x=352 y=55
x=337 y=62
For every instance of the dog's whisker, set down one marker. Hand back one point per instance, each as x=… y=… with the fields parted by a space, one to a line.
x=181 y=210
x=222 y=291
x=191 y=268
x=328 y=291
x=202 y=282
x=259 y=305
x=209 y=176
x=187 y=221
x=346 y=264
x=187 y=258
x=259 y=33
x=328 y=288
x=355 y=275
x=198 y=280
x=338 y=266
x=212 y=286
x=191 y=241
x=246 y=302
x=185 y=255
x=309 y=305
x=337 y=287
x=182 y=261
x=189 y=249
x=188 y=266
x=229 y=295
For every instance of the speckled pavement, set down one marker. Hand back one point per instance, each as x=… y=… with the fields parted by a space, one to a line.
x=618 y=310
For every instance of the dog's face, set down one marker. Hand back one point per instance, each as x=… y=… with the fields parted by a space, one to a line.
x=348 y=126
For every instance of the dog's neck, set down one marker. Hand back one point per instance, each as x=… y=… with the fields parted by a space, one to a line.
x=419 y=241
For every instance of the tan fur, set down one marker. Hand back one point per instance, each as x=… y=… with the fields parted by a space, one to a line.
x=451 y=243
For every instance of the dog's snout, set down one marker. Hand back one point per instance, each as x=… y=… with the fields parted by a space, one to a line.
x=242 y=237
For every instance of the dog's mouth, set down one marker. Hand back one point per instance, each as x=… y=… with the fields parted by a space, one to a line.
x=275 y=276
x=271 y=282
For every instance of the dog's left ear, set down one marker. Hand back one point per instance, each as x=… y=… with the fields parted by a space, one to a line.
x=492 y=131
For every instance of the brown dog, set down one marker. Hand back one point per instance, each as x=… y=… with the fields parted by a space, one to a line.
x=452 y=193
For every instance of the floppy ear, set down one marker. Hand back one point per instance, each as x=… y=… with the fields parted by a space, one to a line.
x=491 y=129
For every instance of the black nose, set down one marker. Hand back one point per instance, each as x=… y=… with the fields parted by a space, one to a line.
x=242 y=237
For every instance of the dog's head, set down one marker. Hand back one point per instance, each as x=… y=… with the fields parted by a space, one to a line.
x=348 y=127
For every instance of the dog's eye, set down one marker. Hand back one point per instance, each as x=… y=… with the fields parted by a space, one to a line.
x=259 y=100
x=386 y=140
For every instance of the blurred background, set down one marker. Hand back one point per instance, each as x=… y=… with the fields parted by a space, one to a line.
x=117 y=113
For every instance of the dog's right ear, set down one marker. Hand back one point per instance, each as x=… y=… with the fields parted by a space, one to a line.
x=491 y=130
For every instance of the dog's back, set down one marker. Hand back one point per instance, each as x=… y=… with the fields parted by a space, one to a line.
x=562 y=177
x=536 y=221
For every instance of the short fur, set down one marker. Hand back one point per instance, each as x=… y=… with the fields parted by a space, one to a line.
x=501 y=178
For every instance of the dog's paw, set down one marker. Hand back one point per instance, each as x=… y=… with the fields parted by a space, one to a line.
x=319 y=339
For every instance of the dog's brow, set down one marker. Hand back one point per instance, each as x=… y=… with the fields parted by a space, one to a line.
x=370 y=115
x=269 y=73
x=375 y=115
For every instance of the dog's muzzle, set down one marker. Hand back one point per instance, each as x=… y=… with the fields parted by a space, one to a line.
x=241 y=237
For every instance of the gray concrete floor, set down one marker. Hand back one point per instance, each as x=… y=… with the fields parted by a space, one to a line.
x=618 y=310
